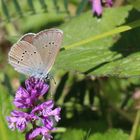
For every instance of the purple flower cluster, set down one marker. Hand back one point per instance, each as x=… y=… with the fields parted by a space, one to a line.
x=42 y=116
x=97 y=6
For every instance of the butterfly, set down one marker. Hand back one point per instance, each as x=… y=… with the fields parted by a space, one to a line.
x=35 y=54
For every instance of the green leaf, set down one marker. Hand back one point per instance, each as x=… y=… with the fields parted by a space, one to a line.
x=5 y=10
x=75 y=134
x=17 y=7
x=43 y=5
x=100 y=56
x=135 y=3
x=45 y=19
x=81 y=6
x=111 y=134
x=66 y=2
x=56 y=5
x=31 y=5
x=6 y=107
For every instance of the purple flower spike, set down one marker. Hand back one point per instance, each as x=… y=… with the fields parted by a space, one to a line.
x=23 y=99
x=18 y=120
x=36 y=87
x=27 y=98
x=46 y=105
x=49 y=116
x=39 y=131
x=97 y=7
x=41 y=117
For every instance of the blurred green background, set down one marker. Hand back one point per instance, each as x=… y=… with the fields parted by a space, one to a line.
x=97 y=74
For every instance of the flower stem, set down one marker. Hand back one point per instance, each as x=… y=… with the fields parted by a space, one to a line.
x=135 y=127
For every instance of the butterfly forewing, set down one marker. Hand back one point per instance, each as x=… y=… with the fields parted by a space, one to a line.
x=28 y=38
x=48 y=44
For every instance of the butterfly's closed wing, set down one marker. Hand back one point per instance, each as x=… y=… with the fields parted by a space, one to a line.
x=48 y=44
x=24 y=57
x=28 y=37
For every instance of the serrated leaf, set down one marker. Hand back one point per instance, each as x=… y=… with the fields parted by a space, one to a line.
x=111 y=56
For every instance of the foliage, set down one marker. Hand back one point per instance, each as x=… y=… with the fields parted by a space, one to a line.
x=111 y=56
x=115 y=134
x=96 y=103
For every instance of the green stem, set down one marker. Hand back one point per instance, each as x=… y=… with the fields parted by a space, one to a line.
x=135 y=127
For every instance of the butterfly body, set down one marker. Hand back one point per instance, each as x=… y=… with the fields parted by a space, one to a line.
x=34 y=54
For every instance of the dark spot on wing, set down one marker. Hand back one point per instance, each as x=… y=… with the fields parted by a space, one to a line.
x=34 y=52
x=50 y=43
x=21 y=59
x=18 y=62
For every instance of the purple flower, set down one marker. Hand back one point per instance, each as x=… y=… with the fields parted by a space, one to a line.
x=39 y=131
x=19 y=120
x=44 y=113
x=23 y=99
x=97 y=6
x=49 y=116
x=46 y=105
x=27 y=98
x=36 y=86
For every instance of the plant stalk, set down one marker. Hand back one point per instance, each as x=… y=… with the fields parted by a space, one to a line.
x=135 y=126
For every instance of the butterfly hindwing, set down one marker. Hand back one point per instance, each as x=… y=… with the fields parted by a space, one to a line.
x=25 y=58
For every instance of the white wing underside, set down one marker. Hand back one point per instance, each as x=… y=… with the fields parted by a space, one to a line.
x=34 y=54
